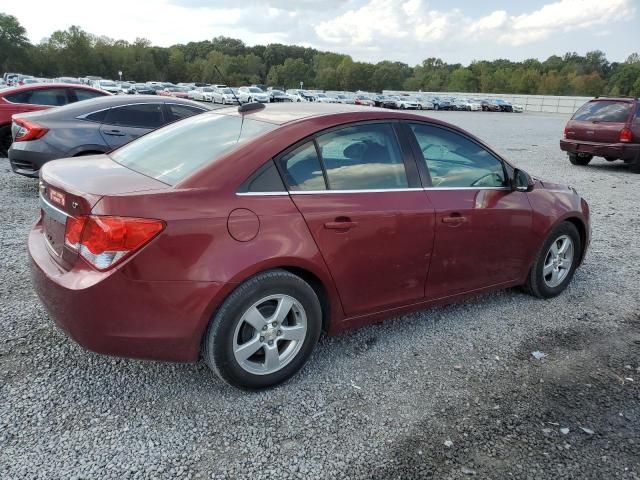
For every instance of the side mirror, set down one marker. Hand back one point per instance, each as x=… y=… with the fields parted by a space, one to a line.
x=521 y=181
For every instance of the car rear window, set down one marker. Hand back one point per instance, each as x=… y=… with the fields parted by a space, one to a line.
x=604 y=111
x=172 y=153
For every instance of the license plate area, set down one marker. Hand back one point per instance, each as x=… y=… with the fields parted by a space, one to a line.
x=54 y=222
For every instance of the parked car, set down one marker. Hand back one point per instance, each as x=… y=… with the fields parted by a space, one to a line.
x=489 y=105
x=324 y=98
x=107 y=85
x=344 y=99
x=504 y=105
x=71 y=80
x=19 y=80
x=364 y=100
x=303 y=96
x=279 y=96
x=388 y=101
x=517 y=108
x=606 y=127
x=406 y=103
x=225 y=96
x=466 y=105
x=89 y=128
x=441 y=103
x=37 y=97
x=271 y=231
x=203 y=94
x=424 y=103
x=252 y=94
x=143 y=89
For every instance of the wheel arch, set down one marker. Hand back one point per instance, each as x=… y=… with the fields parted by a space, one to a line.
x=582 y=230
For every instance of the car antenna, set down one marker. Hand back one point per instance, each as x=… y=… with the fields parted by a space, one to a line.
x=242 y=108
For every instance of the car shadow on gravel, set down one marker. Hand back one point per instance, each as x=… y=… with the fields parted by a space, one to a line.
x=513 y=421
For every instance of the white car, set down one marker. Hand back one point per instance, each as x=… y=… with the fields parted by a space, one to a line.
x=203 y=94
x=423 y=103
x=324 y=98
x=300 y=95
x=108 y=86
x=517 y=108
x=406 y=103
x=224 y=95
x=252 y=94
x=340 y=98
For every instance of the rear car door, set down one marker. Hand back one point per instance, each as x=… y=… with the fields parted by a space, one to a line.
x=482 y=227
x=600 y=121
x=128 y=122
x=360 y=196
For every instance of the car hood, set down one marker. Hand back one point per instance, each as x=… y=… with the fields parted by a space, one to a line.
x=552 y=186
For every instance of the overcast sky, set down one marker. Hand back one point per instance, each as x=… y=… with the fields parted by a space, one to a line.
x=369 y=30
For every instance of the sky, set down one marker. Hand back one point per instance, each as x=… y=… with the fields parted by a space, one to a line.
x=368 y=30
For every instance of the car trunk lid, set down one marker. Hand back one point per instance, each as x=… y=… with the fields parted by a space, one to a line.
x=71 y=188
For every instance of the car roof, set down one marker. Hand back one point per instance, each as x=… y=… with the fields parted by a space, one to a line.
x=108 y=101
x=37 y=86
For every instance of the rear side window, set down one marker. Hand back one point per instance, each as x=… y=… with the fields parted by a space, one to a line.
x=144 y=115
x=172 y=153
x=86 y=94
x=301 y=169
x=54 y=97
x=178 y=112
x=98 y=116
x=363 y=157
x=604 y=111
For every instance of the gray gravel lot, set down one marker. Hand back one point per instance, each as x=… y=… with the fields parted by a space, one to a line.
x=447 y=393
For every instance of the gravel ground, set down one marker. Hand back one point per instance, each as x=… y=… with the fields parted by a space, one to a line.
x=447 y=393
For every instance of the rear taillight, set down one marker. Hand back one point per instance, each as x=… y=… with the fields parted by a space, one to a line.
x=104 y=241
x=626 y=135
x=566 y=130
x=28 y=130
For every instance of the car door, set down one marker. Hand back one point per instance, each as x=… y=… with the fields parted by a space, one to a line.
x=361 y=199
x=483 y=229
x=128 y=122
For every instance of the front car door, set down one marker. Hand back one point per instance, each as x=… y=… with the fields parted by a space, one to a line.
x=483 y=228
x=128 y=122
x=361 y=199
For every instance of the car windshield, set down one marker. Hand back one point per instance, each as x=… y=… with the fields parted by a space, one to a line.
x=107 y=83
x=604 y=111
x=255 y=90
x=207 y=89
x=226 y=91
x=172 y=153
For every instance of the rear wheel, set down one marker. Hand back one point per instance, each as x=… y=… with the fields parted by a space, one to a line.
x=436 y=107
x=576 y=159
x=556 y=262
x=5 y=140
x=264 y=332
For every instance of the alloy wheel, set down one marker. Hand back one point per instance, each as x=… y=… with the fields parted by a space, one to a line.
x=558 y=261
x=270 y=334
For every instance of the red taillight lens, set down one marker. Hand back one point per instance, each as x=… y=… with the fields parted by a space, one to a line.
x=105 y=241
x=566 y=130
x=626 y=135
x=28 y=130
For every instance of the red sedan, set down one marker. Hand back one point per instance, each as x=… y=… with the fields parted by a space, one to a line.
x=240 y=236
x=29 y=98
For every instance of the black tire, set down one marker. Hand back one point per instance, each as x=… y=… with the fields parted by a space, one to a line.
x=610 y=159
x=5 y=140
x=402 y=107
x=634 y=167
x=536 y=284
x=218 y=340
x=579 y=160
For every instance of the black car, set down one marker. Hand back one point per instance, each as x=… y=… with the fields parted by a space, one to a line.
x=442 y=104
x=143 y=89
x=279 y=96
x=90 y=127
x=504 y=106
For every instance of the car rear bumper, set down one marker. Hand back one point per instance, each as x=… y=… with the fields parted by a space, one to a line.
x=623 y=151
x=110 y=313
x=27 y=160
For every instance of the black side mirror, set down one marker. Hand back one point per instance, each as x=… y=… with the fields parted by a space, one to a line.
x=521 y=181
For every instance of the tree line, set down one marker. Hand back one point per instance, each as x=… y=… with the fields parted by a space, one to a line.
x=74 y=52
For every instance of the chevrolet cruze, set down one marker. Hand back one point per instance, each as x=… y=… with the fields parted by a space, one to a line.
x=240 y=235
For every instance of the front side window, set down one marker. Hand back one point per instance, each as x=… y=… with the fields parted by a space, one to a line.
x=301 y=169
x=604 y=111
x=456 y=161
x=172 y=153
x=144 y=115
x=363 y=157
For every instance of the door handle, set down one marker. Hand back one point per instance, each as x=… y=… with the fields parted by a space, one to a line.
x=115 y=133
x=454 y=220
x=341 y=223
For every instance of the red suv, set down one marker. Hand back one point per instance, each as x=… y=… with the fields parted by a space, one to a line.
x=29 y=98
x=606 y=127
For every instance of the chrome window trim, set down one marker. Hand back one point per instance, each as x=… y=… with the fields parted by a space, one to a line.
x=53 y=212
x=325 y=192
x=197 y=107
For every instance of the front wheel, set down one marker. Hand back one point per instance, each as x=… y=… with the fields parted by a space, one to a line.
x=582 y=160
x=556 y=262
x=264 y=332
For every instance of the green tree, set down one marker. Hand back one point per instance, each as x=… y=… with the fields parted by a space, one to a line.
x=13 y=42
